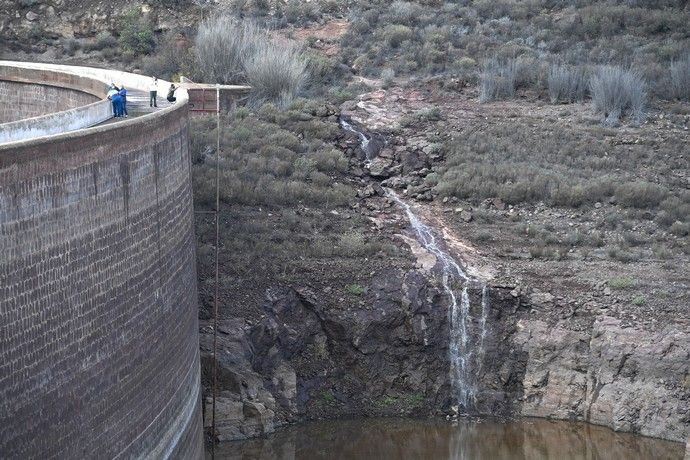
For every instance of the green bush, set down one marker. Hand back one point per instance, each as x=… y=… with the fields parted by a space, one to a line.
x=396 y=34
x=623 y=282
x=356 y=289
x=406 y=13
x=301 y=12
x=680 y=228
x=136 y=33
x=265 y=163
x=640 y=194
x=387 y=76
x=639 y=300
x=330 y=160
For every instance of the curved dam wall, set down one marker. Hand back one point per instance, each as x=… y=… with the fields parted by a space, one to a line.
x=28 y=100
x=99 y=353
x=40 y=100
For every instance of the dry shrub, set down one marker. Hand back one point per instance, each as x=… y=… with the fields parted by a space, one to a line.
x=680 y=79
x=640 y=194
x=567 y=84
x=497 y=80
x=276 y=74
x=223 y=47
x=233 y=52
x=618 y=92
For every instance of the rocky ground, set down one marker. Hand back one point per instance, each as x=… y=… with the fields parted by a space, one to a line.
x=338 y=336
x=581 y=326
x=31 y=25
x=502 y=237
x=605 y=341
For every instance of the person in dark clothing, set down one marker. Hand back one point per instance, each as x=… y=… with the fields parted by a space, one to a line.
x=171 y=93
x=123 y=95
x=117 y=105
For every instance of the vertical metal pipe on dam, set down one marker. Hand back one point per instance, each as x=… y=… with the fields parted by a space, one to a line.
x=99 y=354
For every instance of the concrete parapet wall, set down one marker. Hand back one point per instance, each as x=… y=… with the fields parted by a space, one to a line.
x=28 y=100
x=55 y=123
x=99 y=355
x=42 y=101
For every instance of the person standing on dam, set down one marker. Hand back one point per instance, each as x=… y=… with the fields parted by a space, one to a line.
x=112 y=91
x=117 y=105
x=153 y=91
x=123 y=95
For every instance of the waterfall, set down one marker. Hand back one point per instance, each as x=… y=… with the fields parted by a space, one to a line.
x=482 y=328
x=363 y=139
x=466 y=352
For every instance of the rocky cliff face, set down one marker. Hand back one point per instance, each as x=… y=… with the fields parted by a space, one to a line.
x=613 y=375
x=390 y=358
x=303 y=362
x=545 y=355
x=29 y=24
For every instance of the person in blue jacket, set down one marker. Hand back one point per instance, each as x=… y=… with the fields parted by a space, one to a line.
x=117 y=105
x=123 y=95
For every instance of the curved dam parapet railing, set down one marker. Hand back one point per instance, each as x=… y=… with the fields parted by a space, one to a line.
x=99 y=351
x=63 y=77
x=86 y=79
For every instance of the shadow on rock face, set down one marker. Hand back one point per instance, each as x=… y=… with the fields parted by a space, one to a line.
x=387 y=354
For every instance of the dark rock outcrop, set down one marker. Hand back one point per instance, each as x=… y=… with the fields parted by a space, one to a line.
x=388 y=356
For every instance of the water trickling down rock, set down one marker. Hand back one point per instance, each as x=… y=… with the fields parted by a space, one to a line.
x=466 y=352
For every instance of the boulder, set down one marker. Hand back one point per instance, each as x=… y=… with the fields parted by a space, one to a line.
x=237 y=420
x=413 y=160
x=380 y=167
x=541 y=299
x=498 y=204
x=396 y=182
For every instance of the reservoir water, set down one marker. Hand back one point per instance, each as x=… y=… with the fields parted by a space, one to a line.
x=438 y=439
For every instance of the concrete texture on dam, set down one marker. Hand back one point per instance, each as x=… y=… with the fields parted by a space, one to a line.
x=26 y=100
x=99 y=353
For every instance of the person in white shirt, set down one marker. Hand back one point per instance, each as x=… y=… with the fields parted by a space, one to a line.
x=153 y=91
x=112 y=91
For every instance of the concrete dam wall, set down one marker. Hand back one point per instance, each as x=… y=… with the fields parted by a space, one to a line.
x=99 y=353
x=27 y=100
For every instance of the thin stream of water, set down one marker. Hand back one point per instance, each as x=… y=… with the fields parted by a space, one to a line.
x=363 y=139
x=465 y=360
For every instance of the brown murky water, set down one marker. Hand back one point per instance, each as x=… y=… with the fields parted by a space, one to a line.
x=383 y=439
